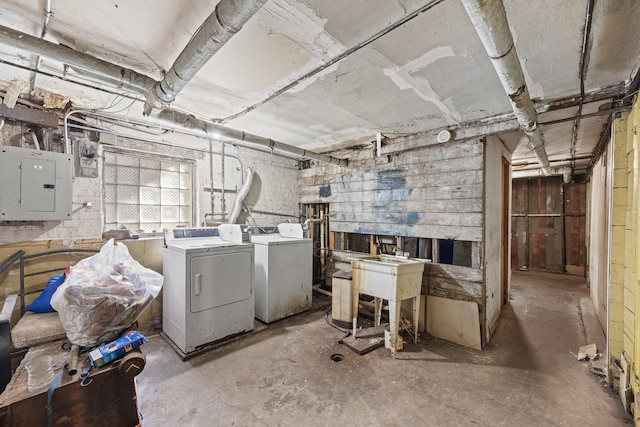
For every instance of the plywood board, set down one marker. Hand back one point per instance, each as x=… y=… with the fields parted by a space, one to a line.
x=455 y=321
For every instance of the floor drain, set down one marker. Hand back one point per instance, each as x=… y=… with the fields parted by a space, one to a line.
x=337 y=357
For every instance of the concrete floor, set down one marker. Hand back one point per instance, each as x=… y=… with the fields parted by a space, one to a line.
x=284 y=375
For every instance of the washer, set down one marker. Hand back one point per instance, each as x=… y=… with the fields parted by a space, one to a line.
x=208 y=286
x=283 y=273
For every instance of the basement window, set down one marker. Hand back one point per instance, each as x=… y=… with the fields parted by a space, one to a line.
x=145 y=193
x=456 y=252
x=358 y=242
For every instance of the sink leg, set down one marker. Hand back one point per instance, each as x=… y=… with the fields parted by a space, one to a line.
x=355 y=295
x=394 y=323
x=377 y=305
x=416 y=318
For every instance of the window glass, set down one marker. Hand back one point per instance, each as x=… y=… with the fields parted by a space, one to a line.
x=145 y=193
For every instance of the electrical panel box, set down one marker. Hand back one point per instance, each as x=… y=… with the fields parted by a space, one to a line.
x=35 y=185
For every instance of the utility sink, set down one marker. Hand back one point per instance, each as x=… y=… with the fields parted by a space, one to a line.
x=392 y=278
x=387 y=276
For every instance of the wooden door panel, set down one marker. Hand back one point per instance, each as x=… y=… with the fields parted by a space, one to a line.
x=545 y=244
x=519 y=257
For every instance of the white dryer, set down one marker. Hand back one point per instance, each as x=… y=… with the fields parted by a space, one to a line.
x=208 y=287
x=283 y=273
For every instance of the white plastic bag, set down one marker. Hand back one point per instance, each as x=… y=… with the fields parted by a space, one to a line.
x=104 y=294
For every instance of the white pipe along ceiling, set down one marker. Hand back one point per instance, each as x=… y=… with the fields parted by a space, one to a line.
x=170 y=86
x=111 y=73
x=490 y=20
x=318 y=79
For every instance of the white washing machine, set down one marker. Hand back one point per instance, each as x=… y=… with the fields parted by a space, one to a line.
x=208 y=286
x=283 y=273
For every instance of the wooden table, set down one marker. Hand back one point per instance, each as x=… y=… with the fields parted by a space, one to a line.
x=109 y=400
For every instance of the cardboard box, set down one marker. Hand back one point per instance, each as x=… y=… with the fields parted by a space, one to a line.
x=116 y=349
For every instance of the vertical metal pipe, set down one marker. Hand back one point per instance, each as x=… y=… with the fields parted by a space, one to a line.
x=47 y=16
x=22 y=304
x=323 y=245
x=586 y=35
x=212 y=200
x=224 y=204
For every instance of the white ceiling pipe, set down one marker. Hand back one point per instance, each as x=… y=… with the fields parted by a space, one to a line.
x=103 y=71
x=490 y=20
x=139 y=83
x=207 y=128
x=227 y=19
x=565 y=171
x=112 y=73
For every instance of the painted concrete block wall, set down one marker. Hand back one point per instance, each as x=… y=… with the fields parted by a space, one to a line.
x=632 y=240
x=272 y=199
x=624 y=305
x=632 y=233
x=618 y=203
x=631 y=230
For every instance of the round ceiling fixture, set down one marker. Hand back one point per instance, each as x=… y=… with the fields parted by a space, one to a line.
x=444 y=136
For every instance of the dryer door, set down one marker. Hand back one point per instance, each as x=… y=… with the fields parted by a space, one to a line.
x=219 y=279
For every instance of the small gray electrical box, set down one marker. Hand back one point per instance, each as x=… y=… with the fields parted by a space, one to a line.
x=35 y=185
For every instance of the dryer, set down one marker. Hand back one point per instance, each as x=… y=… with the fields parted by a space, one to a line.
x=208 y=286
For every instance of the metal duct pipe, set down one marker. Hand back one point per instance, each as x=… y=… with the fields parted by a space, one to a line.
x=242 y=194
x=141 y=84
x=565 y=171
x=490 y=20
x=227 y=19
x=130 y=79
x=191 y=122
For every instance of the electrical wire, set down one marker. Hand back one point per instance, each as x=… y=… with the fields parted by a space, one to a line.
x=326 y=64
x=330 y=323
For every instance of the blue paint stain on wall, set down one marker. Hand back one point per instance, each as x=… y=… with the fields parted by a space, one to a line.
x=346 y=182
x=325 y=191
x=412 y=217
x=391 y=182
x=393 y=195
x=392 y=178
x=398 y=218
x=399 y=170
x=385 y=229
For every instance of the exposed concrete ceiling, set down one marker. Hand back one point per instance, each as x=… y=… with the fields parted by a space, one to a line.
x=278 y=77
